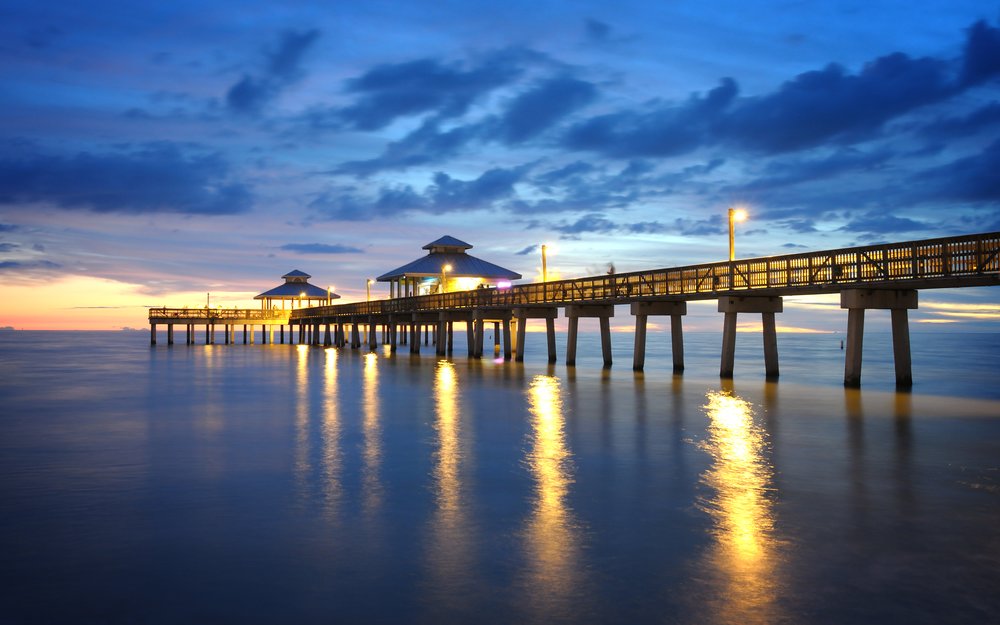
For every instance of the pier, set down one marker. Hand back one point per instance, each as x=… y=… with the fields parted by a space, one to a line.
x=877 y=277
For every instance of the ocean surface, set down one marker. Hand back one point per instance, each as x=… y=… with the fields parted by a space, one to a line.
x=296 y=484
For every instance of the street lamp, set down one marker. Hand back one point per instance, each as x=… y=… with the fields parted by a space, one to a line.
x=301 y=295
x=545 y=271
x=735 y=214
x=368 y=288
x=444 y=270
x=329 y=299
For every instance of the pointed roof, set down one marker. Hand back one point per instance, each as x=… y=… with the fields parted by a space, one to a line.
x=450 y=251
x=296 y=286
x=447 y=241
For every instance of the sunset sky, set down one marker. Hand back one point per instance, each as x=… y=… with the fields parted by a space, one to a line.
x=151 y=153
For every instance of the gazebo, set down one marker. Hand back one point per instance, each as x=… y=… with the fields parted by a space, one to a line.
x=446 y=267
x=295 y=289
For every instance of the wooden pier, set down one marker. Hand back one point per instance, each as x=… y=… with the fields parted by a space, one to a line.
x=877 y=277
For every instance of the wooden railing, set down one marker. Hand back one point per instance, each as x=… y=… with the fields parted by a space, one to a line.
x=218 y=315
x=929 y=263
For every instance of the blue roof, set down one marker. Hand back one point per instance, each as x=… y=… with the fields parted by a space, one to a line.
x=462 y=266
x=291 y=290
x=447 y=241
x=295 y=273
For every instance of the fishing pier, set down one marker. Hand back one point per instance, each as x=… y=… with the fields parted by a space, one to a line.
x=877 y=277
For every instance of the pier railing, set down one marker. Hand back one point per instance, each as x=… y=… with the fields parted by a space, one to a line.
x=217 y=315
x=932 y=263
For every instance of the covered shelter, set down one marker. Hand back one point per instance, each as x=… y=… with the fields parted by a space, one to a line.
x=296 y=289
x=446 y=267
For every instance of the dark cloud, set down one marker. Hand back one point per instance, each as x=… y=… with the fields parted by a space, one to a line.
x=832 y=104
x=321 y=248
x=601 y=224
x=8 y=228
x=154 y=178
x=425 y=145
x=943 y=129
x=531 y=249
x=42 y=266
x=444 y=195
x=781 y=173
x=565 y=174
x=446 y=90
x=8 y=247
x=969 y=179
x=661 y=130
x=596 y=30
x=281 y=68
x=981 y=57
x=495 y=184
x=524 y=118
x=880 y=223
x=541 y=107
x=285 y=60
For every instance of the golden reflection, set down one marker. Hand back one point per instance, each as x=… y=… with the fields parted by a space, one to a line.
x=372 y=435
x=552 y=540
x=302 y=468
x=331 y=433
x=745 y=555
x=450 y=552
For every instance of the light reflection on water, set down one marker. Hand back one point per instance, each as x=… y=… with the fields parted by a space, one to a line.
x=372 y=428
x=310 y=485
x=745 y=556
x=451 y=544
x=552 y=539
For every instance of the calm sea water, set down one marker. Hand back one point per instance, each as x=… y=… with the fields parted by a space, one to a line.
x=279 y=484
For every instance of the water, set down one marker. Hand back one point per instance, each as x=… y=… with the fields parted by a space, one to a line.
x=278 y=484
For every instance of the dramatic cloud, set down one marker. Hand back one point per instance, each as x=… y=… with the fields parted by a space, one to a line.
x=448 y=193
x=662 y=130
x=982 y=54
x=540 y=108
x=321 y=248
x=524 y=118
x=964 y=126
x=391 y=91
x=157 y=177
x=531 y=249
x=832 y=104
x=876 y=224
x=970 y=179
x=281 y=68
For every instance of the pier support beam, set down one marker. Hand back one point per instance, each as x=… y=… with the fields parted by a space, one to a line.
x=480 y=317
x=766 y=306
x=603 y=312
x=675 y=310
x=857 y=301
x=522 y=315
x=152 y=333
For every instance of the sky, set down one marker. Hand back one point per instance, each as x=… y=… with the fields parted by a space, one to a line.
x=169 y=154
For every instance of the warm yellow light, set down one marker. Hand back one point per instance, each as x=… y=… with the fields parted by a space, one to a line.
x=302 y=294
x=446 y=268
x=739 y=215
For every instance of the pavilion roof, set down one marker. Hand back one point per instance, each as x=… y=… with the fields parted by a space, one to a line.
x=462 y=266
x=292 y=290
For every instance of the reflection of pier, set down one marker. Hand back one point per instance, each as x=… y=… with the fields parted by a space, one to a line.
x=874 y=277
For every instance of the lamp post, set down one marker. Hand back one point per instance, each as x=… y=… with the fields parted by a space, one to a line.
x=301 y=295
x=545 y=271
x=444 y=277
x=735 y=214
x=368 y=288
x=329 y=299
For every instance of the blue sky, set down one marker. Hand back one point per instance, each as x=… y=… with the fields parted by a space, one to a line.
x=168 y=150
